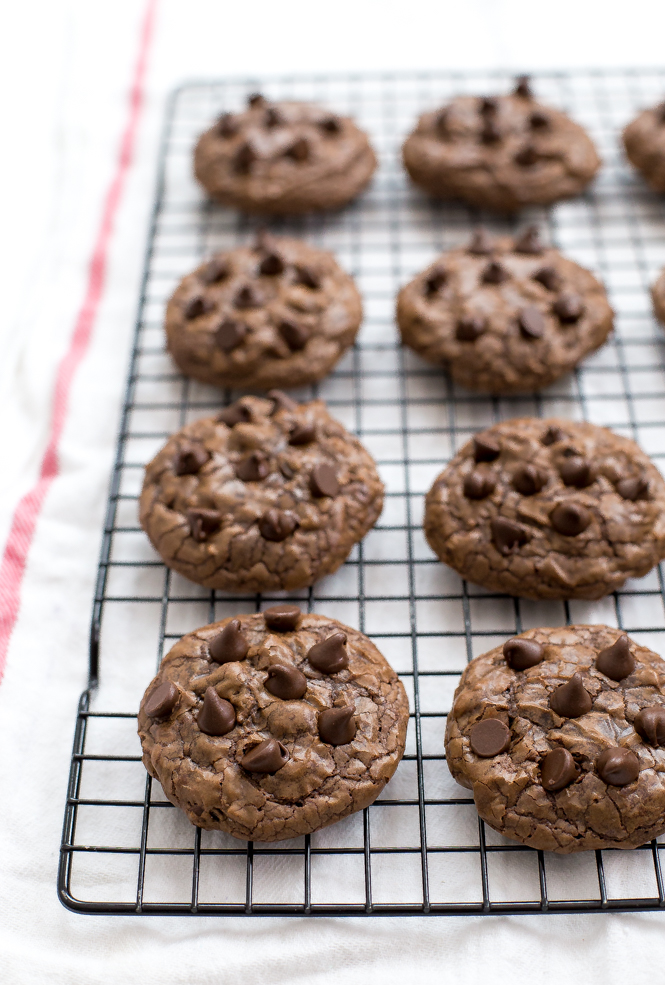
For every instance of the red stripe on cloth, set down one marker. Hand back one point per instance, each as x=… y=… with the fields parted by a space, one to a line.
x=24 y=520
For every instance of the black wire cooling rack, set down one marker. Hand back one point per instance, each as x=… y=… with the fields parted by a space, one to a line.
x=420 y=849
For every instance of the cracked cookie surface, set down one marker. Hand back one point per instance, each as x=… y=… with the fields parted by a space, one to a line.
x=278 y=314
x=284 y=157
x=604 y=785
x=504 y=315
x=320 y=772
x=268 y=495
x=501 y=152
x=644 y=141
x=548 y=509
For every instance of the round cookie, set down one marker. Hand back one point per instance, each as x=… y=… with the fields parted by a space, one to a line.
x=273 y=725
x=644 y=141
x=268 y=495
x=548 y=510
x=558 y=734
x=504 y=315
x=278 y=314
x=658 y=297
x=283 y=157
x=501 y=152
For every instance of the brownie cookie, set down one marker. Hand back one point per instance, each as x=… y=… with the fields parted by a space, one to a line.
x=278 y=314
x=268 y=495
x=548 y=510
x=644 y=140
x=273 y=725
x=658 y=297
x=285 y=157
x=558 y=734
x=501 y=152
x=504 y=315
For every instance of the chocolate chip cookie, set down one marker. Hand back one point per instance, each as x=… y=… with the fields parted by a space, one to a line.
x=278 y=314
x=504 y=315
x=500 y=152
x=273 y=725
x=283 y=157
x=644 y=140
x=548 y=510
x=658 y=297
x=267 y=495
x=559 y=735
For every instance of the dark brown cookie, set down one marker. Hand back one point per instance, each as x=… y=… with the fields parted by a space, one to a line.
x=548 y=509
x=278 y=314
x=504 y=315
x=564 y=753
x=272 y=733
x=502 y=152
x=285 y=157
x=644 y=140
x=658 y=297
x=268 y=495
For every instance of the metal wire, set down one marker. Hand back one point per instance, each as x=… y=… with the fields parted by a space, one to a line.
x=420 y=849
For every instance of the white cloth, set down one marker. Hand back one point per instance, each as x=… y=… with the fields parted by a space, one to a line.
x=65 y=70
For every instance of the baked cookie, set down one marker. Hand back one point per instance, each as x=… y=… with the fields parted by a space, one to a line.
x=644 y=140
x=278 y=314
x=548 y=510
x=273 y=725
x=501 y=152
x=286 y=157
x=558 y=734
x=504 y=315
x=268 y=495
x=658 y=297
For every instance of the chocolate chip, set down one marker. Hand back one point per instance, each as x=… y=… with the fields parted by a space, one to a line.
x=571 y=453
x=287 y=470
x=256 y=99
x=435 y=282
x=302 y=433
x=230 y=334
x=253 y=467
x=552 y=435
x=494 y=273
x=244 y=158
x=490 y=133
x=337 y=726
x=281 y=401
x=481 y=244
x=548 y=277
x=330 y=125
x=229 y=645
x=618 y=767
x=528 y=480
x=470 y=327
x=227 y=125
x=558 y=770
x=488 y=105
x=196 y=307
x=298 y=151
x=526 y=157
x=616 y=661
x=323 y=480
x=506 y=535
x=203 y=523
x=234 y=414
x=568 y=308
x=215 y=270
x=531 y=322
x=529 y=242
x=307 y=277
x=294 y=335
x=248 y=297
x=570 y=519
x=523 y=87
x=217 y=716
x=268 y=757
x=277 y=525
x=329 y=656
x=271 y=265
x=191 y=457
x=520 y=654
x=571 y=700
x=660 y=111
x=162 y=700
x=272 y=118
x=478 y=485
x=441 y=124
x=282 y=618
x=486 y=447
x=650 y=724
x=285 y=682
x=633 y=489
x=489 y=737
x=539 y=121
x=577 y=472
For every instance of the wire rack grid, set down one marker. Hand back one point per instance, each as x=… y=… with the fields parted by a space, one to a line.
x=420 y=849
